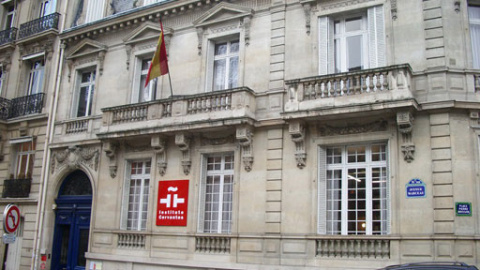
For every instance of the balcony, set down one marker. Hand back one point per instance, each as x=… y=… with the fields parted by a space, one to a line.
x=21 y=106
x=213 y=109
x=49 y=22
x=365 y=90
x=8 y=36
x=16 y=188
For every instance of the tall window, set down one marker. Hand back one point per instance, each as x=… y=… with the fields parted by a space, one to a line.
x=217 y=189
x=47 y=7
x=8 y=15
x=352 y=41
x=35 y=77
x=225 y=65
x=137 y=187
x=354 y=190
x=25 y=155
x=146 y=93
x=95 y=9
x=474 y=20
x=84 y=96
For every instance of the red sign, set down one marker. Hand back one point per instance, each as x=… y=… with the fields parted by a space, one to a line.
x=11 y=218
x=172 y=203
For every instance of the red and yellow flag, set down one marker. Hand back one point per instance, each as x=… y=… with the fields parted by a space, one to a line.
x=159 y=64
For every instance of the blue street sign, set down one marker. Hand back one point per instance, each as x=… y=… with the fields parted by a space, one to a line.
x=415 y=189
x=463 y=209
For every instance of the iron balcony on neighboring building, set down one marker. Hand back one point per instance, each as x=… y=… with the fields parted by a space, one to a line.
x=49 y=22
x=8 y=36
x=21 y=106
x=16 y=188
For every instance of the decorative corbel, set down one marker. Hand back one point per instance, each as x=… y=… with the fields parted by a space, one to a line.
x=128 y=50
x=200 y=39
x=183 y=142
x=101 y=60
x=110 y=149
x=70 y=64
x=405 y=127
x=457 y=5
x=247 y=22
x=297 y=133
x=244 y=136
x=307 y=8
x=158 y=145
x=393 y=9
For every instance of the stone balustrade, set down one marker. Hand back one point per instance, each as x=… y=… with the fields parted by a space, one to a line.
x=368 y=86
x=212 y=244
x=76 y=126
x=131 y=240
x=353 y=248
x=180 y=111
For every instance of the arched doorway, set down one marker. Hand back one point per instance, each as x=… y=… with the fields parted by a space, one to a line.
x=72 y=222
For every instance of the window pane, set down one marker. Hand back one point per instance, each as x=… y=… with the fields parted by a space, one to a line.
x=220 y=49
x=233 y=73
x=354 y=53
x=219 y=73
x=353 y=24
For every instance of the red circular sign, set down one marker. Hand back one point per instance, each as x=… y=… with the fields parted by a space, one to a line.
x=11 y=218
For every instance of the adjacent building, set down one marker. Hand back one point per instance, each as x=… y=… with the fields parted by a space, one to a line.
x=287 y=135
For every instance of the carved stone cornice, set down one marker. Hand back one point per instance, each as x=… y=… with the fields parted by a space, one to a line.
x=75 y=156
x=244 y=136
x=110 y=148
x=405 y=127
x=296 y=129
x=183 y=142
x=159 y=147
x=87 y=51
x=326 y=130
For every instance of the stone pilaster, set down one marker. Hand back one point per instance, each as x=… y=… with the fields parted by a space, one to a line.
x=273 y=213
x=277 y=48
x=442 y=177
x=434 y=33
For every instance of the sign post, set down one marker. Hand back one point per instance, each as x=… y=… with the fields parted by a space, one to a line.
x=11 y=221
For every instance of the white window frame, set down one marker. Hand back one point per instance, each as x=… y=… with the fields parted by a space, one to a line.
x=340 y=41
x=326 y=186
x=374 y=51
x=223 y=223
x=474 y=35
x=90 y=85
x=227 y=57
x=139 y=84
x=19 y=153
x=141 y=196
x=36 y=76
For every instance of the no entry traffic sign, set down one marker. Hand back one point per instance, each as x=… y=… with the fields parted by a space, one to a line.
x=11 y=218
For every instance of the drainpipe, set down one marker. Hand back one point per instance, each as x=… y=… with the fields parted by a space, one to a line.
x=46 y=159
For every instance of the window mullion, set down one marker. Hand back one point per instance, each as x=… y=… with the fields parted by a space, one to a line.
x=368 y=187
x=344 y=220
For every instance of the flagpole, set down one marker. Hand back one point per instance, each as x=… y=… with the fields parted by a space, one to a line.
x=170 y=80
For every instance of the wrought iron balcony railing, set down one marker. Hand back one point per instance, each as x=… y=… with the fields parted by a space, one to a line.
x=8 y=36
x=39 y=25
x=25 y=105
x=16 y=188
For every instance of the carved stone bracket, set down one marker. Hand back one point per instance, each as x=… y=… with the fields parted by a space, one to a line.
x=307 y=8
x=110 y=149
x=183 y=142
x=393 y=9
x=244 y=137
x=405 y=127
x=457 y=5
x=74 y=156
x=297 y=133
x=159 y=147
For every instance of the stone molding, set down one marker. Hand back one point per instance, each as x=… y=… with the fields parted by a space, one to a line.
x=74 y=156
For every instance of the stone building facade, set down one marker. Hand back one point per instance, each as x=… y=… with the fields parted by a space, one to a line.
x=288 y=134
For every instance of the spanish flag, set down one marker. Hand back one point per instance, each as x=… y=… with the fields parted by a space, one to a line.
x=159 y=64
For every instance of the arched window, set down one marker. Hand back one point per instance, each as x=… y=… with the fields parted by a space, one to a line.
x=76 y=183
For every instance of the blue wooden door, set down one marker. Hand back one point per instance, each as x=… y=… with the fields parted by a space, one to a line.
x=72 y=223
